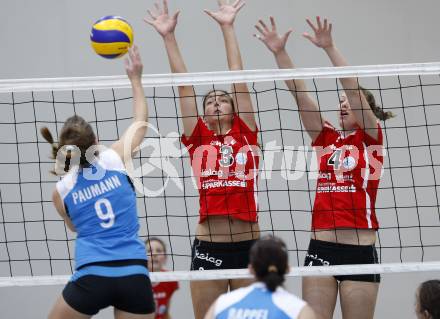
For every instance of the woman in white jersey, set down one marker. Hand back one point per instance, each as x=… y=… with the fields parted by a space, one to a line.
x=96 y=199
x=266 y=298
x=222 y=147
x=350 y=161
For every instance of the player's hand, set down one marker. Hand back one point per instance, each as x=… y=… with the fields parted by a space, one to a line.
x=322 y=37
x=269 y=36
x=133 y=64
x=226 y=13
x=161 y=20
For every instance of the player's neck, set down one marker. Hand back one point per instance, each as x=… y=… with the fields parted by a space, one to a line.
x=220 y=127
x=347 y=131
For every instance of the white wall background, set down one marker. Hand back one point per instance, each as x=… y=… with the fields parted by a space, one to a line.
x=50 y=38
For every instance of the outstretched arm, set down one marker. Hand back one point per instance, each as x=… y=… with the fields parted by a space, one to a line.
x=322 y=38
x=225 y=17
x=135 y=133
x=309 y=111
x=165 y=25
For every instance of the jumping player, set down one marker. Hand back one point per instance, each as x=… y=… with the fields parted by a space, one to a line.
x=97 y=201
x=344 y=222
x=224 y=158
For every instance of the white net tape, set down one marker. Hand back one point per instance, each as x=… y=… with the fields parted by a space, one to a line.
x=209 y=78
x=241 y=273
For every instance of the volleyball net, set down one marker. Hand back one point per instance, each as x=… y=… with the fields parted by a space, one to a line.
x=37 y=248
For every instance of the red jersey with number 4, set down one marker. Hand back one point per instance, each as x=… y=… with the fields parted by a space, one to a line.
x=162 y=293
x=349 y=172
x=226 y=170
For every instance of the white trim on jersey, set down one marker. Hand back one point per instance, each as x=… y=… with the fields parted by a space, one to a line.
x=289 y=303
x=281 y=298
x=67 y=183
x=226 y=300
x=365 y=186
x=110 y=160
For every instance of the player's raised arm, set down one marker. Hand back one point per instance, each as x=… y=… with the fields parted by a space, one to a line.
x=322 y=38
x=276 y=43
x=165 y=25
x=135 y=133
x=225 y=17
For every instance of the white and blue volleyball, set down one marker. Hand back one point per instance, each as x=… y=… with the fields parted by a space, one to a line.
x=111 y=37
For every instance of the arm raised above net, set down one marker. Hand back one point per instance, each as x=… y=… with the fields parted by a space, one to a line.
x=322 y=38
x=165 y=26
x=135 y=133
x=225 y=17
x=309 y=111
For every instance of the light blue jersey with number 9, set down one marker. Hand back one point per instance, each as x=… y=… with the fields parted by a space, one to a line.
x=101 y=203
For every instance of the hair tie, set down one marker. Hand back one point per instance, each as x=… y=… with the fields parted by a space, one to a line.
x=272 y=268
x=70 y=151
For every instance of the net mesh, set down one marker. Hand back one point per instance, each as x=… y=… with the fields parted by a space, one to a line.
x=34 y=241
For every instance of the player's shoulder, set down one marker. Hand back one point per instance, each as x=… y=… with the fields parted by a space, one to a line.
x=288 y=302
x=110 y=160
x=229 y=299
x=67 y=182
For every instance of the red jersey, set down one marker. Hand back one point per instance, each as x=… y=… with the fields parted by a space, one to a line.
x=349 y=172
x=226 y=170
x=162 y=293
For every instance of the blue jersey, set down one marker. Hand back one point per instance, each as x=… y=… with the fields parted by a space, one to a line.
x=101 y=203
x=257 y=302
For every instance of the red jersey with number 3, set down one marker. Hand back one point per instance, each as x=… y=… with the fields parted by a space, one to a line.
x=349 y=173
x=226 y=170
x=162 y=293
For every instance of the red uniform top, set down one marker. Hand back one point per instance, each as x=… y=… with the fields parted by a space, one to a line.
x=349 y=172
x=162 y=293
x=226 y=170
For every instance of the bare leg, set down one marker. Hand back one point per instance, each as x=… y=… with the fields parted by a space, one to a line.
x=119 y=314
x=321 y=294
x=358 y=299
x=61 y=310
x=204 y=293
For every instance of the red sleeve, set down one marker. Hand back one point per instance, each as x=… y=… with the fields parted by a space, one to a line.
x=199 y=133
x=323 y=138
x=372 y=141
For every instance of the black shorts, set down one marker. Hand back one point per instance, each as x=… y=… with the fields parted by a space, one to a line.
x=95 y=287
x=207 y=255
x=323 y=253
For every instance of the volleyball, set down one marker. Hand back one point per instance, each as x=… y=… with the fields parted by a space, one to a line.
x=111 y=37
